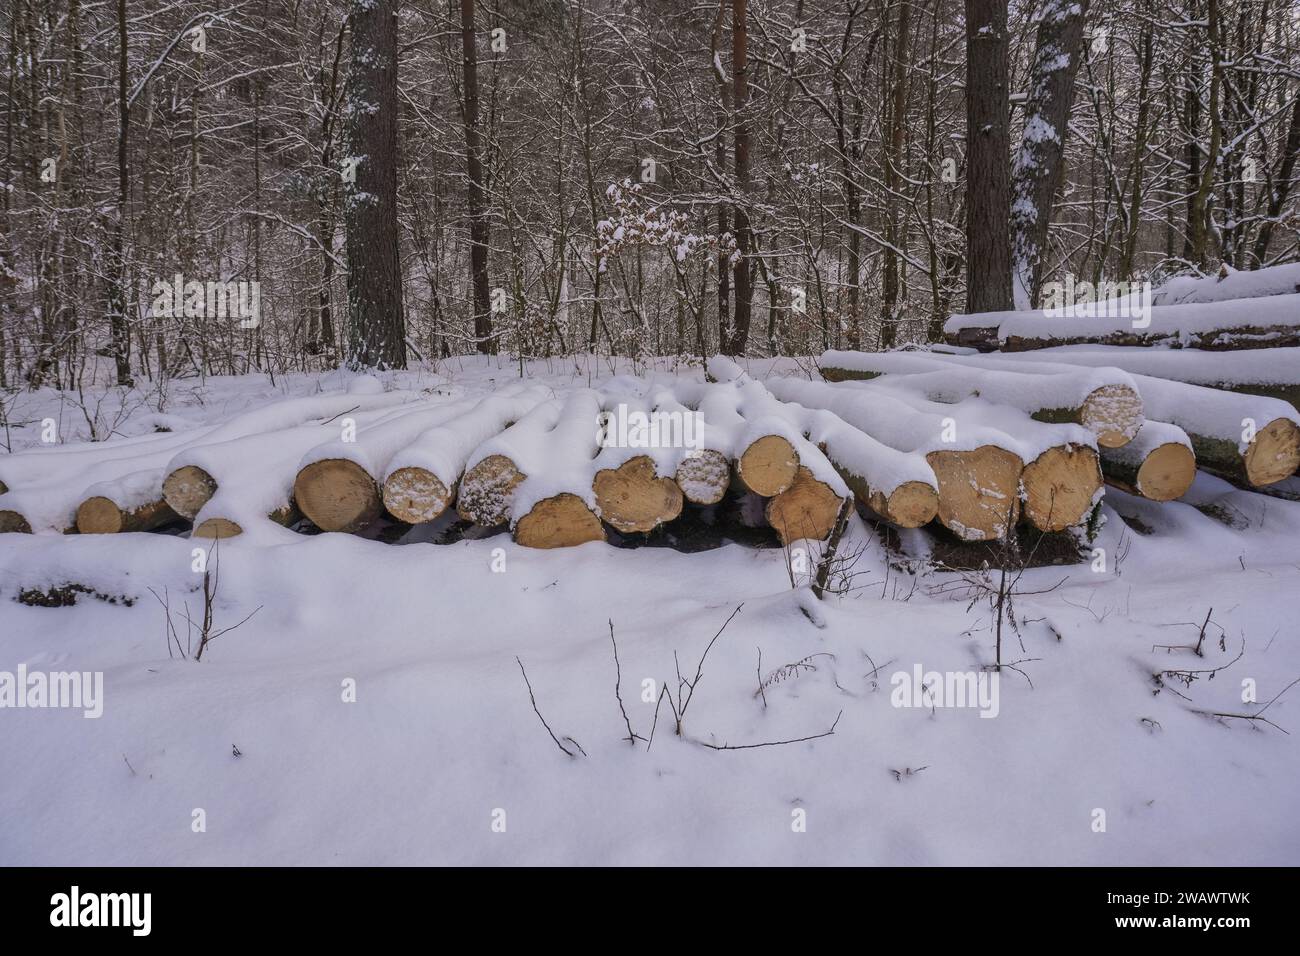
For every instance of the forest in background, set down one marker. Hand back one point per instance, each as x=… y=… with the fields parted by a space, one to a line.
x=408 y=181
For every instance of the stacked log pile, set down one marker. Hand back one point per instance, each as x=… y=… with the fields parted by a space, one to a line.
x=973 y=443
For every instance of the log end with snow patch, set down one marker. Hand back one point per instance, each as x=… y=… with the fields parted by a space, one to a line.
x=187 y=489
x=704 y=476
x=559 y=521
x=979 y=491
x=487 y=491
x=415 y=495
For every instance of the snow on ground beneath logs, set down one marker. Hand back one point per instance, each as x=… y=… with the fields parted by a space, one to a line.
x=442 y=734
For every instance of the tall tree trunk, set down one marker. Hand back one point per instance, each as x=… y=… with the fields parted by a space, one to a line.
x=988 y=186
x=744 y=236
x=1279 y=187
x=478 y=224
x=118 y=331
x=1142 y=133
x=1198 y=204
x=721 y=114
x=1039 y=164
x=377 y=330
x=897 y=101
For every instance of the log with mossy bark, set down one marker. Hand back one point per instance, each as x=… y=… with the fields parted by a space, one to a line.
x=1248 y=439
x=1105 y=401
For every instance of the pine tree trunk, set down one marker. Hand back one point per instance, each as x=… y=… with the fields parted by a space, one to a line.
x=120 y=340
x=478 y=224
x=377 y=331
x=744 y=236
x=988 y=188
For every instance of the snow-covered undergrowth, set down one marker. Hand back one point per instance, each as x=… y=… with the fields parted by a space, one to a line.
x=441 y=746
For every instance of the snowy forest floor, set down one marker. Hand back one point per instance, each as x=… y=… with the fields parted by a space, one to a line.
x=442 y=736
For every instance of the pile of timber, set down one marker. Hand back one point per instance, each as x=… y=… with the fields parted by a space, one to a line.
x=1228 y=312
x=1250 y=439
x=976 y=444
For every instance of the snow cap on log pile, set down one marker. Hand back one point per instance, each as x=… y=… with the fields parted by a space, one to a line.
x=421 y=479
x=1106 y=401
x=1262 y=322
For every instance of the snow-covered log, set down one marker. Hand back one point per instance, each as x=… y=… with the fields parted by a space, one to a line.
x=55 y=463
x=1158 y=464
x=1250 y=439
x=703 y=472
x=555 y=507
x=976 y=469
x=1262 y=322
x=1271 y=372
x=1247 y=438
x=499 y=465
x=338 y=485
x=188 y=485
x=1061 y=480
x=898 y=486
x=766 y=461
x=644 y=440
x=133 y=502
x=422 y=479
x=246 y=480
x=50 y=505
x=1103 y=400
x=1229 y=283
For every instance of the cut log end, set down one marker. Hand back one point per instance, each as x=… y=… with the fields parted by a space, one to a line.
x=1113 y=413
x=910 y=505
x=704 y=476
x=415 y=495
x=633 y=498
x=187 y=489
x=1060 y=486
x=978 y=491
x=1166 y=473
x=561 y=521
x=807 y=509
x=337 y=495
x=487 y=490
x=100 y=515
x=217 y=528
x=768 y=466
x=11 y=522
x=1274 y=454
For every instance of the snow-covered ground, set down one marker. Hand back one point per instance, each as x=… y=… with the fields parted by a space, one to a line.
x=441 y=758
